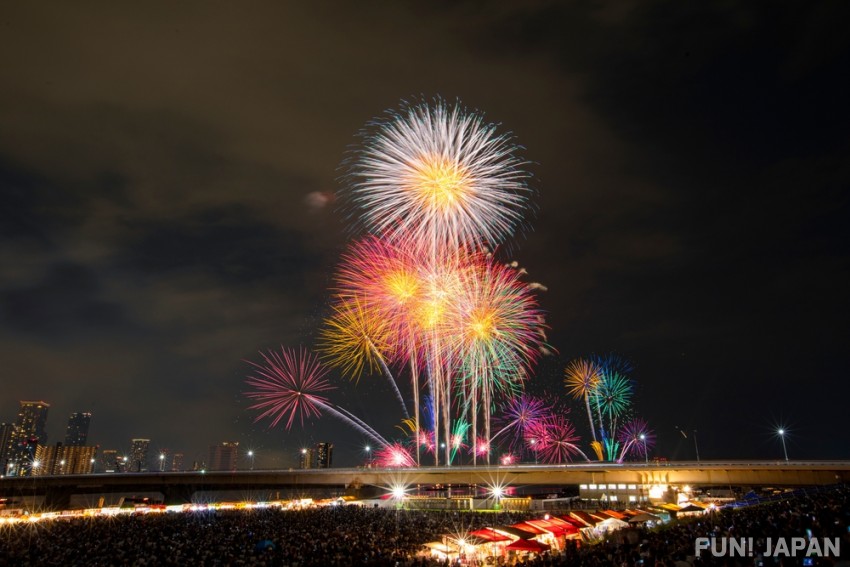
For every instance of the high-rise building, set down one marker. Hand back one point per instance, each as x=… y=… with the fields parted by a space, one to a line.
x=109 y=461
x=62 y=459
x=29 y=433
x=162 y=460
x=177 y=462
x=324 y=455
x=139 y=455
x=78 y=429
x=306 y=458
x=224 y=456
x=6 y=431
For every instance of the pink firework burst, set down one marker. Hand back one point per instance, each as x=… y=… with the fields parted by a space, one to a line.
x=287 y=384
x=482 y=446
x=394 y=456
x=554 y=439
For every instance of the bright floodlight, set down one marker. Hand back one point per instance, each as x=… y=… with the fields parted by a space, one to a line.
x=250 y=453
x=781 y=432
x=497 y=491
x=643 y=436
x=398 y=492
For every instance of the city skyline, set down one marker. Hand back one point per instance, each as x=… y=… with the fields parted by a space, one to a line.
x=171 y=208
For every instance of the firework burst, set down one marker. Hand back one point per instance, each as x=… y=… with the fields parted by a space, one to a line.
x=555 y=440
x=437 y=173
x=636 y=439
x=394 y=456
x=520 y=414
x=582 y=378
x=289 y=384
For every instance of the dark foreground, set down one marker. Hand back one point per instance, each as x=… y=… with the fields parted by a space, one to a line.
x=349 y=535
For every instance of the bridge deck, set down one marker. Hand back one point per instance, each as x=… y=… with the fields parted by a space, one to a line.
x=180 y=486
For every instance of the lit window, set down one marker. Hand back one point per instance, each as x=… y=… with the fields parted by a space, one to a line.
x=632 y=498
x=583 y=486
x=621 y=487
x=632 y=487
x=593 y=487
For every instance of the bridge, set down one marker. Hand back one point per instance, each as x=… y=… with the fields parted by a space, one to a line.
x=179 y=487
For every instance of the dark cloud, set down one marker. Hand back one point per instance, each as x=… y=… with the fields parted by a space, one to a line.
x=168 y=179
x=65 y=304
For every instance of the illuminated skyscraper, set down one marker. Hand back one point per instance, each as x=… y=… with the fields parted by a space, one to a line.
x=78 y=429
x=29 y=433
x=223 y=457
x=139 y=455
x=109 y=461
x=61 y=459
x=6 y=430
x=306 y=458
x=177 y=462
x=324 y=455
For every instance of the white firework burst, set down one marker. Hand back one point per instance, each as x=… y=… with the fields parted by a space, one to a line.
x=439 y=176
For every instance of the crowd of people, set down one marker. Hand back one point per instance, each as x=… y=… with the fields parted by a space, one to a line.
x=353 y=535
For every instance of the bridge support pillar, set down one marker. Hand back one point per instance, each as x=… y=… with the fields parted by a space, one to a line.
x=177 y=494
x=57 y=498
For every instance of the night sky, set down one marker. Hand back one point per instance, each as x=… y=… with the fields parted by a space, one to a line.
x=168 y=171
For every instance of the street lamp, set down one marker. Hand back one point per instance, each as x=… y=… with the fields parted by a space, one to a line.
x=645 y=453
x=368 y=456
x=161 y=462
x=781 y=433
x=251 y=456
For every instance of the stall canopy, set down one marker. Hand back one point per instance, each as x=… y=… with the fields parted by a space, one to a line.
x=490 y=535
x=530 y=527
x=583 y=517
x=528 y=545
x=515 y=532
x=552 y=527
x=644 y=517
